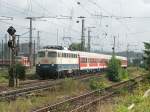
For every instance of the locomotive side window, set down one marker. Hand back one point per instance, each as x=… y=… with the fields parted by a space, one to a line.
x=41 y=54
x=52 y=54
x=59 y=54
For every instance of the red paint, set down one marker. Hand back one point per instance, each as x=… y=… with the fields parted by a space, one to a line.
x=83 y=64
x=93 y=65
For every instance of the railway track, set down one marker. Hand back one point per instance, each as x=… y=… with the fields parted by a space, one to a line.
x=85 y=102
x=38 y=86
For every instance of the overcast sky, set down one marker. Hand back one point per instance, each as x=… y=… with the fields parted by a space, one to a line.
x=133 y=31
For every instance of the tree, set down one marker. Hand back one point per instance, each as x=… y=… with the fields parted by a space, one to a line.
x=75 y=47
x=20 y=71
x=114 y=68
x=147 y=55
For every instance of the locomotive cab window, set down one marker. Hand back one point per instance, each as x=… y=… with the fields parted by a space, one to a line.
x=52 y=54
x=41 y=54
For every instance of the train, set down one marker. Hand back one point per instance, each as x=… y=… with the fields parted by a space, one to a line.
x=56 y=63
x=19 y=59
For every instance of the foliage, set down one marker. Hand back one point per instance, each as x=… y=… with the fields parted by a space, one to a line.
x=136 y=97
x=114 y=67
x=115 y=71
x=75 y=46
x=97 y=84
x=147 y=55
x=20 y=71
x=123 y=73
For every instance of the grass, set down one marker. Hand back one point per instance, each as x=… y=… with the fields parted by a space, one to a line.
x=141 y=104
x=136 y=71
x=98 y=83
x=69 y=88
x=3 y=76
x=121 y=103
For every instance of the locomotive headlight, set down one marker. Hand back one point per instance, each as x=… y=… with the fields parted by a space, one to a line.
x=39 y=64
x=52 y=64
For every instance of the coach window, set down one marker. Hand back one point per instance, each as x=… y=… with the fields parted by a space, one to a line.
x=75 y=55
x=71 y=55
x=59 y=54
x=41 y=54
x=65 y=55
x=52 y=54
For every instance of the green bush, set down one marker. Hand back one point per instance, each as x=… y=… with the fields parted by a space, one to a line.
x=114 y=67
x=97 y=84
x=124 y=74
x=20 y=71
x=115 y=71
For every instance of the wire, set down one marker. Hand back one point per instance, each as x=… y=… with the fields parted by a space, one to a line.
x=20 y=26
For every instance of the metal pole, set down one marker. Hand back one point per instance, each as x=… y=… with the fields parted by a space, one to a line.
x=89 y=40
x=114 y=44
x=14 y=77
x=14 y=60
x=18 y=48
x=2 y=53
x=12 y=44
x=30 y=43
x=128 y=54
x=83 y=37
x=5 y=48
x=10 y=54
x=57 y=36
x=38 y=40
x=34 y=55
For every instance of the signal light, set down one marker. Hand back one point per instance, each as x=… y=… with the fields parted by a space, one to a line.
x=11 y=31
x=10 y=43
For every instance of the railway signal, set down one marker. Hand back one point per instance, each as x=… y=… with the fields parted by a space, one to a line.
x=12 y=45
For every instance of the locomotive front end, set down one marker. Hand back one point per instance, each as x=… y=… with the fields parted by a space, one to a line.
x=46 y=66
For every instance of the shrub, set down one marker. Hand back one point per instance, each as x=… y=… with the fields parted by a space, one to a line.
x=97 y=84
x=124 y=74
x=114 y=66
x=20 y=71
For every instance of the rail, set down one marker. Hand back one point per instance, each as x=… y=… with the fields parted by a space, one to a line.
x=80 y=103
x=13 y=94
